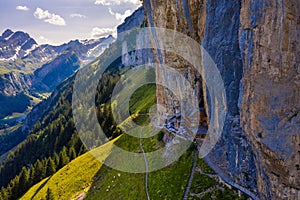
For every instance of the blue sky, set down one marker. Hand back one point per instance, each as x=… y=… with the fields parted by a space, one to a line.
x=59 y=21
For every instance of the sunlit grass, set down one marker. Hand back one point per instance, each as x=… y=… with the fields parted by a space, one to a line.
x=73 y=179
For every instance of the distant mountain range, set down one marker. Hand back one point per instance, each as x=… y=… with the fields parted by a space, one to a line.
x=19 y=46
x=29 y=70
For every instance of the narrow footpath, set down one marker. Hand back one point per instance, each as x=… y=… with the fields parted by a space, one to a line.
x=228 y=180
x=146 y=167
x=188 y=186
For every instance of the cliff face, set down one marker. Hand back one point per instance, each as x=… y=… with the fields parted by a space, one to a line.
x=51 y=74
x=219 y=37
x=137 y=57
x=255 y=47
x=131 y=22
x=269 y=40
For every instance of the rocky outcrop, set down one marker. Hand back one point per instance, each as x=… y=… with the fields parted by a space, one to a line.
x=14 y=82
x=14 y=45
x=255 y=45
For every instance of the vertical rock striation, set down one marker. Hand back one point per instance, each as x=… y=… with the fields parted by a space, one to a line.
x=215 y=25
x=269 y=40
x=255 y=45
x=233 y=152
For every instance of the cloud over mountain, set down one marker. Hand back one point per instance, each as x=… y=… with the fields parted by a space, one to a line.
x=120 y=17
x=100 y=32
x=48 y=17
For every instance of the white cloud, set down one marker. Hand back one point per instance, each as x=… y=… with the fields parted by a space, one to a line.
x=117 y=2
x=48 y=17
x=77 y=15
x=22 y=8
x=103 y=2
x=101 y=32
x=43 y=40
x=120 y=17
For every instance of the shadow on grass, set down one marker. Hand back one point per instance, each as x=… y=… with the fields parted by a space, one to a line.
x=113 y=184
x=167 y=183
x=41 y=186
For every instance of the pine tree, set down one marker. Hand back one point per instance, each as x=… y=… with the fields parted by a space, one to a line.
x=72 y=153
x=51 y=168
x=82 y=150
x=13 y=188
x=24 y=180
x=56 y=160
x=32 y=175
x=4 y=194
x=40 y=171
x=63 y=157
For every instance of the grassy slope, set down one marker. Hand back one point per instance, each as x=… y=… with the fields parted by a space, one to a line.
x=167 y=183
x=72 y=179
x=78 y=175
x=85 y=174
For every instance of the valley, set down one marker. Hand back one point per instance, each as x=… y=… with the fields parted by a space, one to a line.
x=30 y=72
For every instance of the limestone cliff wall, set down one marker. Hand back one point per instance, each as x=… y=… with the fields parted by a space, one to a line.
x=137 y=57
x=197 y=19
x=269 y=40
x=255 y=45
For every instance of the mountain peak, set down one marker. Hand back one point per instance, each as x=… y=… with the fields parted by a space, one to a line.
x=7 y=33
x=74 y=42
x=110 y=37
x=15 y=44
x=21 y=36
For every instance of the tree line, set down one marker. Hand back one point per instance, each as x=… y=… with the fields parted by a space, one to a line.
x=53 y=142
